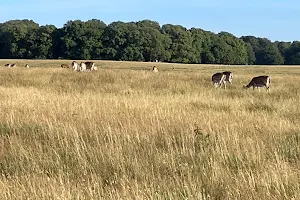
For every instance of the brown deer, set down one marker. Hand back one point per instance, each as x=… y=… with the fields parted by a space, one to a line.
x=64 y=66
x=154 y=69
x=259 y=81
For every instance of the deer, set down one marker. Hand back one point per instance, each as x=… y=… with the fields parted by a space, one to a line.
x=64 y=66
x=219 y=78
x=259 y=81
x=86 y=66
x=154 y=69
x=75 y=66
x=229 y=76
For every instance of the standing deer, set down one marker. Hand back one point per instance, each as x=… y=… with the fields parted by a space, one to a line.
x=86 y=66
x=219 y=79
x=154 y=69
x=228 y=75
x=260 y=81
x=75 y=66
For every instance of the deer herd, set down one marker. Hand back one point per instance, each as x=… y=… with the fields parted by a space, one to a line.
x=82 y=67
x=219 y=79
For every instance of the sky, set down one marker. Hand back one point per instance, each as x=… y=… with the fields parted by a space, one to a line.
x=272 y=19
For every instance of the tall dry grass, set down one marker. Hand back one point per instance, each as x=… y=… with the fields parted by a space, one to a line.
x=124 y=132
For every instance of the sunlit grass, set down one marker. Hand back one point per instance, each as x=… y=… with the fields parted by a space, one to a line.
x=125 y=132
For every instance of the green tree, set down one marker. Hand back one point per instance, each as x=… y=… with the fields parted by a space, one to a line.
x=198 y=45
x=228 y=49
x=144 y=40
x=251 y=54
x=114 y=40
x=266 y=52
x=181 y=46
x=293 y=54
x=153 y=42
x=39 y=42
x=123 y=41
x=82 y=40
x=207 y=56
x=58 y=45
x=283 y=47
x=13 y=38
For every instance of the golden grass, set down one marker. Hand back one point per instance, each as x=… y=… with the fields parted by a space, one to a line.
x=124 y=132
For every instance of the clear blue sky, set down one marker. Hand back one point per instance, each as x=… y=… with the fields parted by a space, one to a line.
x=273 y=19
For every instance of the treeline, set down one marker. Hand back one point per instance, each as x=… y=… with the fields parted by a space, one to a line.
x=139 y=41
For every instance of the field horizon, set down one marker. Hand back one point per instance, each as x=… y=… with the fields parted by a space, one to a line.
x=124 y=132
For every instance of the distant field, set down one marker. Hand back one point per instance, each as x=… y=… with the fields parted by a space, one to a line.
x=241 y=69
x=124 y=132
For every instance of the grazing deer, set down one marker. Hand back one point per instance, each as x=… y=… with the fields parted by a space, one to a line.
x=26 y=66
x=90 y=65
x=7 y=65
x=260 y=81
x=13 y=65
x=86 y=66
x=219 y=79
x=154 y=69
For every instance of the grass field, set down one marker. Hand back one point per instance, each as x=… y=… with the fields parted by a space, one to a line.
x=123 y=132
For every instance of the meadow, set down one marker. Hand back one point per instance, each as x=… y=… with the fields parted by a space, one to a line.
x=124 y=132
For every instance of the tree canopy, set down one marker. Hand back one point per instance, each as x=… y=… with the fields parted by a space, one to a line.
x=144 y=40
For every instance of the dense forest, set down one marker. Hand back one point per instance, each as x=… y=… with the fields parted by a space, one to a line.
x=139 y=41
